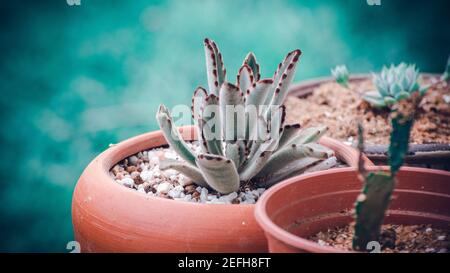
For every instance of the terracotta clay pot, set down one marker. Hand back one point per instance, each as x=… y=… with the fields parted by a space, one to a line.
x=302 y=206
x=433 y=155
x=108 y=217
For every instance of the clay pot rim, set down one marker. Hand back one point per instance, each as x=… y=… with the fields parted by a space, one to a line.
x=298 y=89
x=288 y=238
x=103 y=163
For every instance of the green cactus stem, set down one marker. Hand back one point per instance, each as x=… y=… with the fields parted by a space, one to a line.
x=373 y=202
x=371 y=206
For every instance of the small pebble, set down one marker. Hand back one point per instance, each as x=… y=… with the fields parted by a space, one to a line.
x=446 y=98
x=203 y=197
x=429 y=250
x=146 y=175
x=361 y=198
x=187 y=197
x=211 y=197
x=176 y=192
x=133 y=160
x=255 y=193
x=127 y=181
x=189 y=188
x=164 y=187
x=231 y=196
x=153 y=159
x=119 y=176
x=261 y=190
x=134 y=174
x=131 y=169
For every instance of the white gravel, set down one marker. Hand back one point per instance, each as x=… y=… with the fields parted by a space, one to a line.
x=141 y=172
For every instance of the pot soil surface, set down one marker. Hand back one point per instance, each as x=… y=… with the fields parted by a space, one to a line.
x=141 y=172
x=393 y=239
x=340 y=109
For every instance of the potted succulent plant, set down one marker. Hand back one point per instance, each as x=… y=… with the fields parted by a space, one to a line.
x=339 y=101
x=192 y=189
x=397 y=210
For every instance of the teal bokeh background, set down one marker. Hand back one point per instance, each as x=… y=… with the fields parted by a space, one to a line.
x=75 y=78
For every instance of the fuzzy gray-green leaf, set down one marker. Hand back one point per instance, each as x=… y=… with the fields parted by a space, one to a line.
x=232 y=152
x=258 y=94
x=212 y=124
x=172 y=135
x=188 y=170
x=283 y=78
x=198 y=103
x=322 y=165
x=269 y=175
x=250 y=60
x=245 y=78
x=254 y=166
x=219 y=172
x=232 y=103
x=293 y=152
x=288 y=134
x=308 y=135
x=216 y=73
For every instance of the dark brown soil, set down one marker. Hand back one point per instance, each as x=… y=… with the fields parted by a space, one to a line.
x=393 y=239
x=340 y=109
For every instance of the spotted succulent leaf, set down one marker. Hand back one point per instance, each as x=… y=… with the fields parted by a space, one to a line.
x=250 y=60
x=219 y=172
x=283 y=78
x=245 y=78
x=214 y=67
x=186 y=169
x=172 y=135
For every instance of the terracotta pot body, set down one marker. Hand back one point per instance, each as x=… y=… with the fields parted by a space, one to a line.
x=302 y=206
x=436 y=156
x=108 y=217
